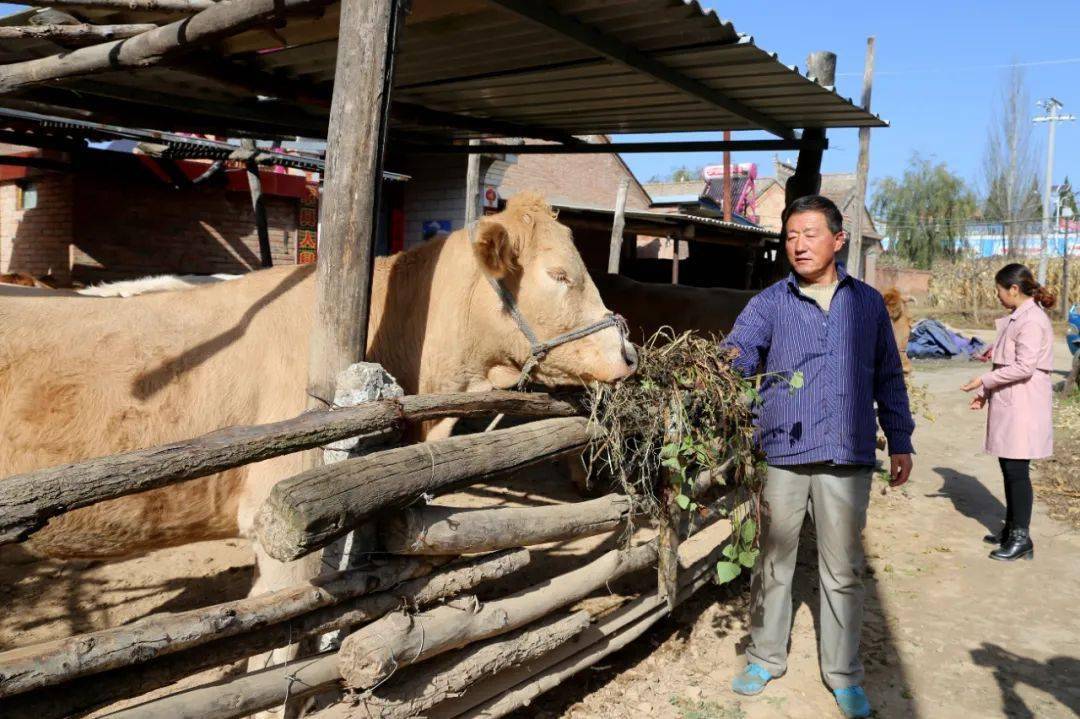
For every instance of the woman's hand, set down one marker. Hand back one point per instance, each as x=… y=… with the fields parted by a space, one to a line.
x=978 y=402
x=972 y=385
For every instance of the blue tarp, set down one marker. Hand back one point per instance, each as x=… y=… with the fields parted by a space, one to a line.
x=932 y=340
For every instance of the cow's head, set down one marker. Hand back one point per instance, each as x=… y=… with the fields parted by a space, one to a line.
x=534 y=257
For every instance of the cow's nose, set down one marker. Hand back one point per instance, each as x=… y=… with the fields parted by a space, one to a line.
x=630 y=355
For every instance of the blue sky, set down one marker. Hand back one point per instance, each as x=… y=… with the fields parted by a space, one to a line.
x=937 y=75
x=934 y=76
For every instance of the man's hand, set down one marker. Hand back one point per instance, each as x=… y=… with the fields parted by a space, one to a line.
x=900 y=469
x=978 y=401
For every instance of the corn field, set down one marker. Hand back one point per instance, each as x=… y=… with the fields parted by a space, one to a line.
x=968 y=285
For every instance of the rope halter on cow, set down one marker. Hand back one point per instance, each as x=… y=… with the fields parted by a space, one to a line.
x=538 y=350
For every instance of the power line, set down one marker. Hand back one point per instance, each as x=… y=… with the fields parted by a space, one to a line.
x=969 y=68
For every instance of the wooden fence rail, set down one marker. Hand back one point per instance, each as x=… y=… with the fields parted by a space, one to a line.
x=312 y=509
x=28 y=500
x=84 y=694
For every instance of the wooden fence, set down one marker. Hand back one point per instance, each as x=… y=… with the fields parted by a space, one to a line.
x=471 y=658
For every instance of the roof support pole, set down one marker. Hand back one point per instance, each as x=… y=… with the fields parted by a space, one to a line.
x=807 y=178
x=359 y=115
x=257 y=205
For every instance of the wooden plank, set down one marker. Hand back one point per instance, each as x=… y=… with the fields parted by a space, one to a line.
x=356 y=140
x=435 y=530
x=28 y=500
x=612 y=48
x=617 y=225
x=312 y=509
x=55 y=662
x=586 y=148
x=216 y=22
x=74 y=33
x=96 y=690
x=855 y=248
x=370 y=655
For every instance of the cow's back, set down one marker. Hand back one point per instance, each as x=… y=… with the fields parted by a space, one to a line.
x=648 y=307
x=87 y=377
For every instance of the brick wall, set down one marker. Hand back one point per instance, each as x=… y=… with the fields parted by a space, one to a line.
x=37 y=241
x=589 y=180
x=129 y=225
x=435 y=192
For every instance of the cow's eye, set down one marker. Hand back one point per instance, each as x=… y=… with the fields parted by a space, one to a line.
x=560 y=276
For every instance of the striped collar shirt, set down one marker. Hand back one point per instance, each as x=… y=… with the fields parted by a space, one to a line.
x=849 y=363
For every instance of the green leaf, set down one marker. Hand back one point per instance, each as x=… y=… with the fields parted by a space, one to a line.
x=798 y=379
x=726 y=571
x=731 y=552
x=749 y=529
x=748 y=558
x=683 y=501
x=672 y=463
x=693 y=506
x=669 y=450
x=752 y=395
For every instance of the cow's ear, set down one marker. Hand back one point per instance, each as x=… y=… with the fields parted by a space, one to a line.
x=497 y=253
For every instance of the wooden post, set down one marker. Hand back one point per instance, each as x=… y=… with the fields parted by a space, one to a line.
x=472 y=186
x=355 y=145
x=255 y=185
x=617 y=225
x=727 y=179
x=855 y=248
x=675 y=260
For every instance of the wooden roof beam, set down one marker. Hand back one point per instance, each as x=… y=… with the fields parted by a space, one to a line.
x=184 y=6
x=420 y=115
x=542 y=14
x=150 y=48
x=73 y=33
x=810 y=142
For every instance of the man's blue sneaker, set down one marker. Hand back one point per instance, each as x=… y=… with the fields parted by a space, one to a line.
x=853 y=702
x=752 y=680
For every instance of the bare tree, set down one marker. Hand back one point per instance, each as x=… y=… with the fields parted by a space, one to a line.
x=1010 y=164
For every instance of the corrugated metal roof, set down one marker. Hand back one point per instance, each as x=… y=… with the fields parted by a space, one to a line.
x=471 y=58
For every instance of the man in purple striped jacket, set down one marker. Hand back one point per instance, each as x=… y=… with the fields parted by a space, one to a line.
x=824 y=342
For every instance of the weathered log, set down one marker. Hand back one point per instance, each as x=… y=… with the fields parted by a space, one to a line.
x=73 y=33
x=252 y=692
x=373 y=652
x=94 y=691
x=54 y=662
x=310 y=510
x=216 y=22
x=449 y=530
x=450 y=675
x=611 y=632
x=184 y=6
x=28 y=500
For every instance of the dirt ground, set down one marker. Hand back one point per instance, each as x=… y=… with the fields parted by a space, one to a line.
x=948 y=633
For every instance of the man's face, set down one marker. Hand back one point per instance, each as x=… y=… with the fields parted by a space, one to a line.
x=811 y=247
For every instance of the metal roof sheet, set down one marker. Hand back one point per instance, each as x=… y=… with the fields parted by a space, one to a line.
x=472 y=58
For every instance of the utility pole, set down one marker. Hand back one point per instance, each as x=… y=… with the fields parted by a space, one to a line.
x=855 y=248
x=1052 y=118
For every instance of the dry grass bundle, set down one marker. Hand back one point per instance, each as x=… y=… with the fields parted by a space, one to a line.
x=684 y=412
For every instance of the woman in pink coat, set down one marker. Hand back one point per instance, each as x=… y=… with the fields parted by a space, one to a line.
x=1019 y=423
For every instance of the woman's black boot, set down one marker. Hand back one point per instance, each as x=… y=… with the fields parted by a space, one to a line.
x=1000 y=537
x=1018 y=546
